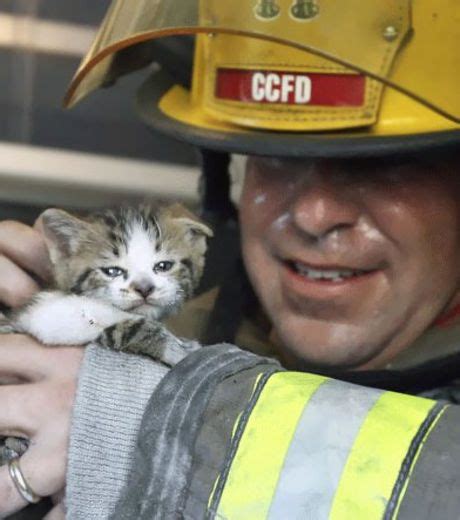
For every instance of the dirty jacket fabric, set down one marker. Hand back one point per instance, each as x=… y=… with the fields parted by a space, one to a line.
x=114 y=390
x=228 y=434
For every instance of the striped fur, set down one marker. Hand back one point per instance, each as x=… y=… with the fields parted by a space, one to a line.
x=79 y=248
x=159 y=257
x=120 y=270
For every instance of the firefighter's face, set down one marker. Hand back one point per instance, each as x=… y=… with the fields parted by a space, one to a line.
x=352 y=260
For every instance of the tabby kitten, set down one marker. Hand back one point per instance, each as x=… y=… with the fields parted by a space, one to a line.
x=116 y=273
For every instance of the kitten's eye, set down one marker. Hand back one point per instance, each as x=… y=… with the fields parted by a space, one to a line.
x=113 y=272
x=162 y=267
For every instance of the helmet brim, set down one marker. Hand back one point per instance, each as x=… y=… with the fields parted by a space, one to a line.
x=357 y=143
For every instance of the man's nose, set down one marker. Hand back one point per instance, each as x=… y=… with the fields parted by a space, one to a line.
x=143 y=287
x=324 y=203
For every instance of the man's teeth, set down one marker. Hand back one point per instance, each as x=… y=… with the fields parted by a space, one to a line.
x=332 y=275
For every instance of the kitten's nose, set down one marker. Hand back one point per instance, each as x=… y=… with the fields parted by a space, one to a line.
x=144 y=288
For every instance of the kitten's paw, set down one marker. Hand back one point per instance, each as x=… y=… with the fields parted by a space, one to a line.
x=55 y=318
x=173 y=353
x=147 y=337
x=190 y=345
x=122 y=336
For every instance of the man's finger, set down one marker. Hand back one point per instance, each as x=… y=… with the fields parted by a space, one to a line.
x=44 y=473
x=23 y=357
x=16 y=287
x=26 y=247
x=20 y=411
x=10 y=500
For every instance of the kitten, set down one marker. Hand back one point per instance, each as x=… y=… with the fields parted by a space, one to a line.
x=115 y=274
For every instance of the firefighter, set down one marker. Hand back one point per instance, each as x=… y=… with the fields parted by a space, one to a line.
x=350 y=218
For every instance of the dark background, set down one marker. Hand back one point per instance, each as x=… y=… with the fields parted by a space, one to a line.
x=32 y=86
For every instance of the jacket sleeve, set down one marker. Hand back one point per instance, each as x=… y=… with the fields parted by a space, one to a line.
x=113 y=391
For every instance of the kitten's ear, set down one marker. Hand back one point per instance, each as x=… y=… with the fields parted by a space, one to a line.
x=196 y=230
x=62 y=233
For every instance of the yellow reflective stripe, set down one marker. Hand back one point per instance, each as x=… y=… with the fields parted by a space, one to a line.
x=255 y=469
x=376 y=457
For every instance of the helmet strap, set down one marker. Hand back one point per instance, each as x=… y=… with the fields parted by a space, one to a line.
x=215 y=185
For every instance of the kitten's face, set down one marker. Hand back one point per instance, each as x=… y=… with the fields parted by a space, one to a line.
x=139 y=278
x=142 y=262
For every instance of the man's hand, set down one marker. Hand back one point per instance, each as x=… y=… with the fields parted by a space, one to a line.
x=39 y=409
x=39 y=404
x=24 y=262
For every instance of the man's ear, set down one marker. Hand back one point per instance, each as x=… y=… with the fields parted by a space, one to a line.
x=62 y=233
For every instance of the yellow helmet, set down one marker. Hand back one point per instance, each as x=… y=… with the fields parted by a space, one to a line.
x=295 y=77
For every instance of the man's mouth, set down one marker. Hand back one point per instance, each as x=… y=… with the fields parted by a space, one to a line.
x=333 y=274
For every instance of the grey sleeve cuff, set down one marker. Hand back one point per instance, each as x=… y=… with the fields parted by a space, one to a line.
x=113 y=390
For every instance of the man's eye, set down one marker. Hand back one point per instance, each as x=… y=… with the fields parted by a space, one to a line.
x=162 y=267
x=112 y=272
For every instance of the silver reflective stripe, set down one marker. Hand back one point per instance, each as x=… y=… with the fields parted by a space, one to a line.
x=318 y=452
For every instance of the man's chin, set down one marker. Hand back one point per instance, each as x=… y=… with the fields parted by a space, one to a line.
x=335 y=347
